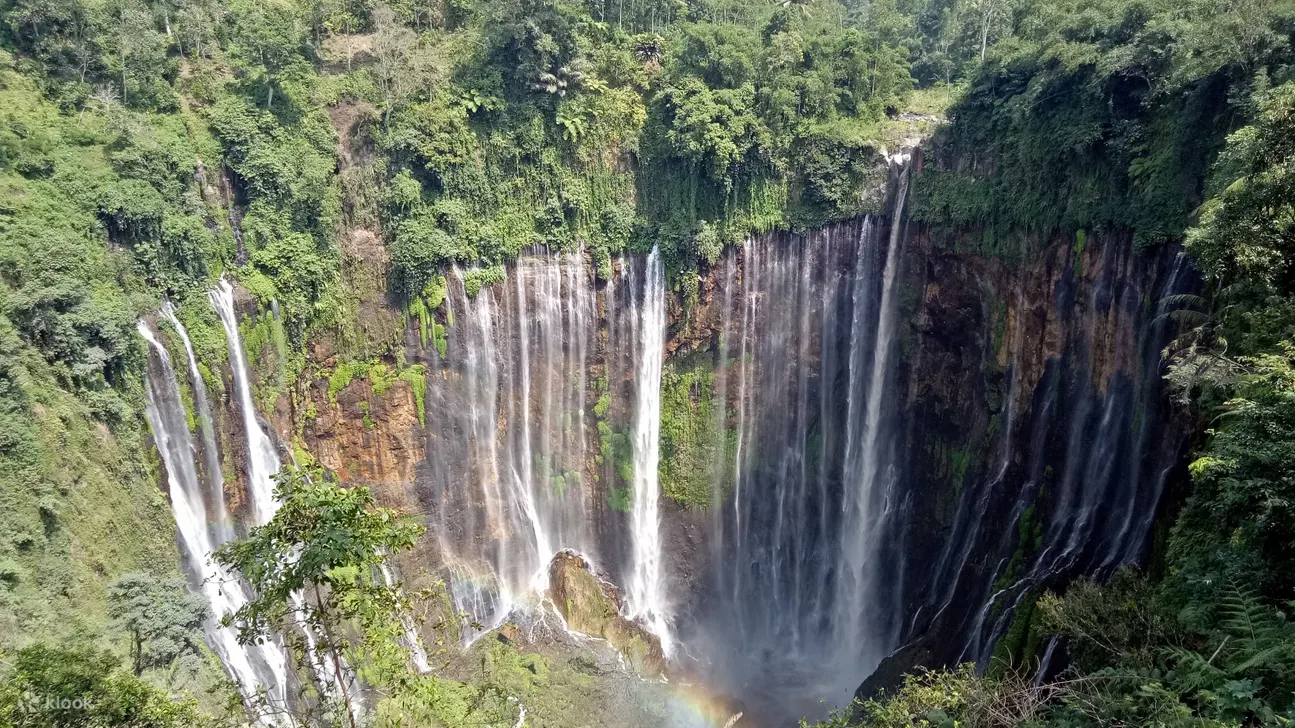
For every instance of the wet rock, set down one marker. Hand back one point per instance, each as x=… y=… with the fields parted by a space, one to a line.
x=591 y=605
x=365 y=438
x=509 y=633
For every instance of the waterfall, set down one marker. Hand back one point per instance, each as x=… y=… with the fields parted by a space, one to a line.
x=211 y=455
x=1099 y=462
x=646 y=588
x=543 y=432
x=751 y=271
x=262 y=466
x=262 y=460
x=508 y=421
x=417 y=654
x=255 y=666
x=806 y=356
x=833 y=477
x=863 y=502
x=1128 y=543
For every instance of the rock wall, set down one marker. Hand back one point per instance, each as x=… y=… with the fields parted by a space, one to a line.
x=1024 y=439
x=1038 y=442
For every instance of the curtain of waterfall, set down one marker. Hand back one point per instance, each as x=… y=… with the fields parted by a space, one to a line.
x=546 y=405
x=646 y=587
x=253 y=667
x=511 y=403
x=804 y=385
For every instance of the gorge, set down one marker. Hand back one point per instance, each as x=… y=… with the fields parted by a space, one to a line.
x=661 y=364
x=857 y=434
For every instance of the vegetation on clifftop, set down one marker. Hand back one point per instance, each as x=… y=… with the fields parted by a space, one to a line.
x=1102 y=115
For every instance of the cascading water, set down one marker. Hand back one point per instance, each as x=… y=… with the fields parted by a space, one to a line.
x=512 y=412
x=646 y=586
x=868 y=499
x=262 y=460
x=1103 y=488
x=417 y=654
x=508 y=419
x=804 y=375
x=202 y=517
x=262 y=466
x=253 y=667
x=546 y=402
x=224 y=525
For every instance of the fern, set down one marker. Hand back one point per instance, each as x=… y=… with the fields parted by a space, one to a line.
x=1252 y=627
x=1248 y=665
x=1193 y=671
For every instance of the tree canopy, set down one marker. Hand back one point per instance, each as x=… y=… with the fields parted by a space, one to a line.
x=162 y=616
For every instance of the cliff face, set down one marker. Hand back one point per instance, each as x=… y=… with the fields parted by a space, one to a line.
x=1022 y=439
x=868 y=440
x=1037 y=441
x=363 y=437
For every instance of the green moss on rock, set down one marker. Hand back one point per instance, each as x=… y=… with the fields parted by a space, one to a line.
x=416 y=377
x=475 y=280
x=591 y=605
x=1019 y=647
x=695 y=448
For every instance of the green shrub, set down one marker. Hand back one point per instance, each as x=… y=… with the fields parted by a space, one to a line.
x=475 y=280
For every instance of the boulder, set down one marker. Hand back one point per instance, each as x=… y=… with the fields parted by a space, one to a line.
x=591 y=604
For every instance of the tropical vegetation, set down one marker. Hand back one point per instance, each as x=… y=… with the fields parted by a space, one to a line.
x=149 y=146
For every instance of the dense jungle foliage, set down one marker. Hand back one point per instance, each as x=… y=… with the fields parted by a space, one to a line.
x=148 y=146
x=1102 y=115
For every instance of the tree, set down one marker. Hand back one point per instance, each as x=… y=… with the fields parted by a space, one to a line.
x=62 y=34
x=985 y=13
x=950 y=699
x=1122 y=623
x=75 y=687
x=317 y=564
x=196 y=23
x=536 y=45
x=393 y=45
x=163 y=618
x=265 y=39
x=135 y=53
x=1247 y=229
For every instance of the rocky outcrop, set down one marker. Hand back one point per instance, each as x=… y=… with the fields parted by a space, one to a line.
x=591 y=605
x=363 y=437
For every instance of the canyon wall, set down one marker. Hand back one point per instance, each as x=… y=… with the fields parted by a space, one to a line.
x=875 y=447
x=1038 y=442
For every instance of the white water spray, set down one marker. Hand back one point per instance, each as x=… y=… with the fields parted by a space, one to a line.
x=860 y=542
x=165 y=413
x=262 y=466
x=211 y=455
x=262 y=460
x=647 y=590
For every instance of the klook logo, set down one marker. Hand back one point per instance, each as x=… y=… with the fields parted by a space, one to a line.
x=30 y=702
